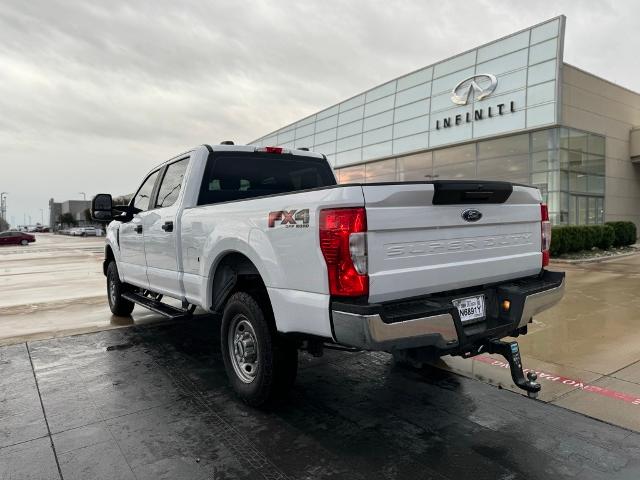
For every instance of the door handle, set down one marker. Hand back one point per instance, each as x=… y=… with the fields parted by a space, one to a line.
x=168 y=226
x=138 y=228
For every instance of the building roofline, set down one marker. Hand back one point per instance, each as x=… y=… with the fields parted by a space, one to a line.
x=601 y=78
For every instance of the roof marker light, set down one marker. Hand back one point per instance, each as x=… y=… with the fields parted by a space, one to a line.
x=278 y=150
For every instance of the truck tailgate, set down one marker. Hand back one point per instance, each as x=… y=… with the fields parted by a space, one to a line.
x=419 y=242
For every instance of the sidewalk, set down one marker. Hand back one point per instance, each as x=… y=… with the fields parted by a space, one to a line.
x=590 y=341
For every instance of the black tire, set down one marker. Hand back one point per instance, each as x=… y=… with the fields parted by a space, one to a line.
x=119 y=306
x=276 y=359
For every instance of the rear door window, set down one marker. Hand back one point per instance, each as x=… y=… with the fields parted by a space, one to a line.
x=241 y=175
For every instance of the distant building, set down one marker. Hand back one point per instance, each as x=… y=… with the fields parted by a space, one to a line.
x=76 y=208
x=55 y=210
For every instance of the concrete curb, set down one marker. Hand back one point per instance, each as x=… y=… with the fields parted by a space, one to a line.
x=599 y=259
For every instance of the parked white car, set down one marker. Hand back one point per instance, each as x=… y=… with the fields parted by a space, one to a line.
x=89 y=231
x=265 y=236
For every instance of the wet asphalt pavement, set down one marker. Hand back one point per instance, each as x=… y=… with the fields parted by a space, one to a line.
x=153 y=402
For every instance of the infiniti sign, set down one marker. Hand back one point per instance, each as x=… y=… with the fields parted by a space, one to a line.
x=475 y=88
x=462 y=91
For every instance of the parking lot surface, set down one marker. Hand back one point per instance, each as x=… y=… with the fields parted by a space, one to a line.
x=143 y=398
x=56 y=287
x=153 y=402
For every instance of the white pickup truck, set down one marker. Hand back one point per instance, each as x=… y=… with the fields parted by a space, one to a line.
x=265 y=236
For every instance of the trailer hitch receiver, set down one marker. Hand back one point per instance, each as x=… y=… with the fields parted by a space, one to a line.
x=511 y=352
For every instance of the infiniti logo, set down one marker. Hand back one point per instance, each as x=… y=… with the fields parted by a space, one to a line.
x=471 y=215
x=462 y=91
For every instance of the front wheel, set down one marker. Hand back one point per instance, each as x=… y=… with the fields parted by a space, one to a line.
x=260 y=364
x=24 y=242
x=119 y=306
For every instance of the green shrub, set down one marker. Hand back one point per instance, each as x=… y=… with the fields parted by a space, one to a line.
x=558 y=241
x=608 y=236
x=592 y=235
x=625 y=233
x=574 y=238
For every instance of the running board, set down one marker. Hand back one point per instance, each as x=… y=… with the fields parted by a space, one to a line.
x=157 y=306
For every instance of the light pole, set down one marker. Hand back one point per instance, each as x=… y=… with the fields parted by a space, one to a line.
x=41 y=216
x=3 y=205
x=84 y=195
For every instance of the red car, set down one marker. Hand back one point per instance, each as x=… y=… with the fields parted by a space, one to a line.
x=16 y=238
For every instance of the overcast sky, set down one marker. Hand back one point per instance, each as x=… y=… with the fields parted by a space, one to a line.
x=95 y=93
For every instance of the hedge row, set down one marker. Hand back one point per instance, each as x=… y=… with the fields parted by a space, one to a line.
x=625 y=233
x=566 y=239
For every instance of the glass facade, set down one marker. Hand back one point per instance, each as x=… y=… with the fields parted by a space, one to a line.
x=418 y=112
x=489 y=113
x=567 y=165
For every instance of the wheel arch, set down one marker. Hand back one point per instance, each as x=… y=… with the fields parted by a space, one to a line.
x=234 y=271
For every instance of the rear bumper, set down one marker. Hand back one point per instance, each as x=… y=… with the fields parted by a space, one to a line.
x=433 y=321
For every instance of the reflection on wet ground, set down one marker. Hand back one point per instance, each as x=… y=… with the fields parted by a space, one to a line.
x=153 y=402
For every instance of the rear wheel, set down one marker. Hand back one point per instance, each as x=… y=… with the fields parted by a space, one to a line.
x=119 y=306
x=260 y=364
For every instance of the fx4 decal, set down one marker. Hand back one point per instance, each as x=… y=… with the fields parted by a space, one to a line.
x=290 y=219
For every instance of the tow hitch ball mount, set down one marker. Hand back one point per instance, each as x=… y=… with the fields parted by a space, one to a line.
x=511 y=352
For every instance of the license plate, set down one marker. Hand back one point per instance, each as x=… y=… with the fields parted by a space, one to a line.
x=470 y=308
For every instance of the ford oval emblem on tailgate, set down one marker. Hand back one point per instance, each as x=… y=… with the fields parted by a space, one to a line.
x=471 y=215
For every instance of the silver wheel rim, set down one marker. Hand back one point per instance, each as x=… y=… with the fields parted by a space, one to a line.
x=112 y=291
x=24 y=242
x=243 y=348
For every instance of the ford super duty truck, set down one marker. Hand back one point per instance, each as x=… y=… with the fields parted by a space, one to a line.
x=291 y=260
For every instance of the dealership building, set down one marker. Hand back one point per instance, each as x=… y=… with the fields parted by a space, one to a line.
x=509 y=110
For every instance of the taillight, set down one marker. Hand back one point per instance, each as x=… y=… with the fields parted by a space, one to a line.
x=343 y=241
x=546 y=233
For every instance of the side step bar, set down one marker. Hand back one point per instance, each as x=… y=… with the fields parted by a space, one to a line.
x=158 y=307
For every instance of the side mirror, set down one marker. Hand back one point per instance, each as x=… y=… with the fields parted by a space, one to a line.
x=102 y=207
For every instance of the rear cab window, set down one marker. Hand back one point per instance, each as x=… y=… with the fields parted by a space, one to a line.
x=233 y=176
